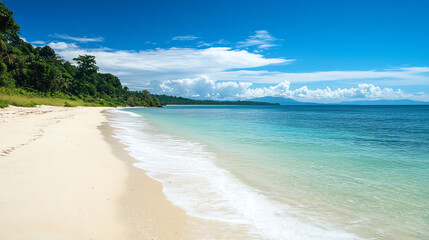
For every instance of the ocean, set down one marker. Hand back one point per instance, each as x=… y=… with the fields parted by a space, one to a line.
x=290 y=172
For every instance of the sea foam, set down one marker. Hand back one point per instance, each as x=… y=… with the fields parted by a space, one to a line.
x=192 y=180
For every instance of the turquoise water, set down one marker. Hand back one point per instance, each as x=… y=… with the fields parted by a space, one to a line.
x=362 y=170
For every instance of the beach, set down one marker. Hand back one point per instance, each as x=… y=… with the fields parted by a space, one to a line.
x=235 y=120
x=63 y=177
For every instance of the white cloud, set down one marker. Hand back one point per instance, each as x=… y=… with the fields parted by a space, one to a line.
x=78 y=39
x=227 y=73
x=414 y=75
x=262 y=39
x=362 y=91
x=205 y=44
x=62 y=46
x=204 y=87
x=185 y=38
x=38 y=42
x=164 y=64
x=201 y=87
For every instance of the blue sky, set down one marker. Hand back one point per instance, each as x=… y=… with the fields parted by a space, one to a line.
x=323 y=51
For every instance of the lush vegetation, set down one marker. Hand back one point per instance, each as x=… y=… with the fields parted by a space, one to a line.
x=23 y=98
x=31 y=76
x=165 y=100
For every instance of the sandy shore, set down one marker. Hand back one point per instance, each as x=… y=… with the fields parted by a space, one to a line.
x=61 y=179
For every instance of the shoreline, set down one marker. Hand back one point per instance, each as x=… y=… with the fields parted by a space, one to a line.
x=150 y=210
x=148 y=214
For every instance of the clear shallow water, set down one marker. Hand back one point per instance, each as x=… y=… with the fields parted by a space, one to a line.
x=305 y=172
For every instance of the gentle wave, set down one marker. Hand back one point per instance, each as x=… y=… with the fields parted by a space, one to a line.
x=192 y=181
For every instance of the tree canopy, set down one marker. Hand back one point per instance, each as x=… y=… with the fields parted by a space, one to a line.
x=8 y=26
x=86 y=64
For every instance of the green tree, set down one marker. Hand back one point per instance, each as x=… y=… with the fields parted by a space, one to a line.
x=149 y=99
x=44 y=76
x=47 y=52
x=3 y=68
x=131 y=101
x=8 y=26
x=86 y=64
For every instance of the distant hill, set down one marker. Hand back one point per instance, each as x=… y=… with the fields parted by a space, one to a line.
x=281 y=101
x=172 y=100
x=289 y=101
x=385 y=102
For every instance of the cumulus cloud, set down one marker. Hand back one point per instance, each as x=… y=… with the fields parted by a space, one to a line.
x=200 y=87
x=185 y=38
x=412 y=75
x=62 y=46
x=164 y=64
x=262 y=39
x=78 y=39
x=204 y=87
x=362 y=91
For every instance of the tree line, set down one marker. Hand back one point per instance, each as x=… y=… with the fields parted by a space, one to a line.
x=165 y=100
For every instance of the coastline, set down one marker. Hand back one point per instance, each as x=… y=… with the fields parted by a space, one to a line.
x=64 y=176
x=149 y=211
x=144 y=206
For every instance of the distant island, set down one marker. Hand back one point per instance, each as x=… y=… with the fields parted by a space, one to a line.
x=172 y=100
x=385 y=102
x=281 y=101
x=289 y=101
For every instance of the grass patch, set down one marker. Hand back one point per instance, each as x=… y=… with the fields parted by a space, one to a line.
x=3 y=104
x=29 y=101
x=67 y=104
x=26 y=98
